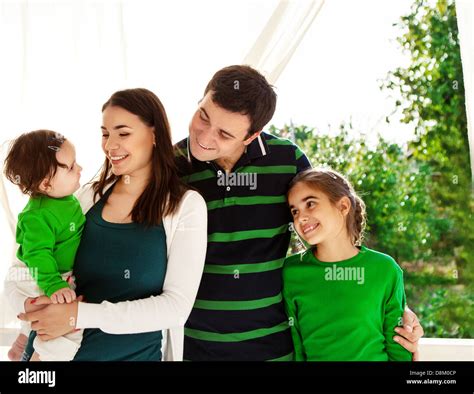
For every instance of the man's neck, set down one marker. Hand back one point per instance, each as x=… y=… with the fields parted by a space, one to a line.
x=227 y=163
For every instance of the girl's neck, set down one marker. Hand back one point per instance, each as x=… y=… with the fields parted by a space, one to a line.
x=335 y=250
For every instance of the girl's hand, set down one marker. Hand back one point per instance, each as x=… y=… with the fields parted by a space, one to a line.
x=62 y=296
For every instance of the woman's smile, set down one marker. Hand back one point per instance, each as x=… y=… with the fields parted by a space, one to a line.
x=116 y=159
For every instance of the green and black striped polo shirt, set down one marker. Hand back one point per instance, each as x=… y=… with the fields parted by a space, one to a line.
x=239 y=314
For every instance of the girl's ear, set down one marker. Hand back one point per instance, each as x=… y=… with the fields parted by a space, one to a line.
x=344 y=205
x=45 y=186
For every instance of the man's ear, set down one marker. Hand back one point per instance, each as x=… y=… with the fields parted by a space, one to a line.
x=345 y=205
x=45 y=186
x=252 y=137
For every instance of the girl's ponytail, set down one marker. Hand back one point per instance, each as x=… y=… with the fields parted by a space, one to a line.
x=360 y=220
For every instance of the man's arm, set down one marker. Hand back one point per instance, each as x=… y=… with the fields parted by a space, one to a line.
x=411 y=332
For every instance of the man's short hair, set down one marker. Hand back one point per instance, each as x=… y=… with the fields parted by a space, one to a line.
x=244 y=90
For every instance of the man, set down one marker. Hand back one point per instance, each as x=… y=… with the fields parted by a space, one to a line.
x=243 y=174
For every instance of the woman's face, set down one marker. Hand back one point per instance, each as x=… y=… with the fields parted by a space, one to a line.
x=315 y=218
x=127 y=142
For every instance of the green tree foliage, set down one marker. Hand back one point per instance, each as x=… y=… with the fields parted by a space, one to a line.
x=431 y=92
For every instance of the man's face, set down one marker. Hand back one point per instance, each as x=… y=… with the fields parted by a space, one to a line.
x=218 y=134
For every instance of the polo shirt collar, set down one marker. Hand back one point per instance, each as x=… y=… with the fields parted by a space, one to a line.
x=257 y=148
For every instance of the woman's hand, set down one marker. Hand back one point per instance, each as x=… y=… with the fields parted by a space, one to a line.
x=53 y=320
x=35 y=304
x=410 y=333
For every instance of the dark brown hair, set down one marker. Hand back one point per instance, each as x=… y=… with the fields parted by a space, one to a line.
x=244 y=90
x=165 y=189
x=32 y=158
x=336 y=186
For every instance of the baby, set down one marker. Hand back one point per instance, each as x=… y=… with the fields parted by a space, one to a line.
x=43 y=165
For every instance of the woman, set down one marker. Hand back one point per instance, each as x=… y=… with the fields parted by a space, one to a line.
x=143 y=247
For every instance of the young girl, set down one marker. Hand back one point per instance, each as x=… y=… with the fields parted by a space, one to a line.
x=343 y=299
x=43 y=164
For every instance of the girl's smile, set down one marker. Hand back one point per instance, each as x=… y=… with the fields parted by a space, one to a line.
x=307 y=228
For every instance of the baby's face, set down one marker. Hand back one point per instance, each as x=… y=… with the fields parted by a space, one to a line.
x=66 y=180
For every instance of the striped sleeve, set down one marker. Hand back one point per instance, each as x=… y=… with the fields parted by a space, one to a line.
x=302 y=161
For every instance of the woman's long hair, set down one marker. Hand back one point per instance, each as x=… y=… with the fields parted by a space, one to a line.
x=163 y=193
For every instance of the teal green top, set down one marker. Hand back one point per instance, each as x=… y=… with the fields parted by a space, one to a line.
x=346 y=310
x=49 y=232
x=119 y=262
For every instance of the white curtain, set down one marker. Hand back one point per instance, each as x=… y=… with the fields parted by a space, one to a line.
x=465 y=18
x=281 y=36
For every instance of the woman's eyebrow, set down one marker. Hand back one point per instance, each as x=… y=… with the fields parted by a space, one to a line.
x=120 y=126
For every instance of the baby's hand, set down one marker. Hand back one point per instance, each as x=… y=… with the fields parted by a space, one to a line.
x=63 y=295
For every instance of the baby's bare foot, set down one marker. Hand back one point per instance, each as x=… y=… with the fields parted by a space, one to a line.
x=14 y=354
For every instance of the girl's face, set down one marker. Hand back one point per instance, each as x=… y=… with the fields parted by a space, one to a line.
x=315 y=218
x=66 y=180
x=127 y=142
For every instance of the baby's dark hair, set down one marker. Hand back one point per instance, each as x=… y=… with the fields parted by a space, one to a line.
x=32 y=158
x=336 y=186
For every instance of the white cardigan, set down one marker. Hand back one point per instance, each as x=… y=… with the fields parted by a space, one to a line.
x=186 y=241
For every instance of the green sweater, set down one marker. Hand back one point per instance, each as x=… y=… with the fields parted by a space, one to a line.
x=49 y=232
x=347 y=310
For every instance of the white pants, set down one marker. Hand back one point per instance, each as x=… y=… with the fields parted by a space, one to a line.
x=59 y=349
